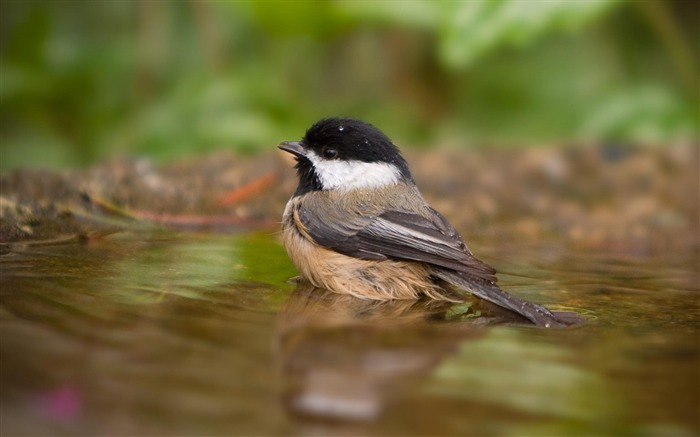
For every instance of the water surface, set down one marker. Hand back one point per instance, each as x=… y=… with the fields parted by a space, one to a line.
x=202 y=334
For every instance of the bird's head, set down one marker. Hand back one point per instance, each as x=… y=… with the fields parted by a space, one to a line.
x=346 y=154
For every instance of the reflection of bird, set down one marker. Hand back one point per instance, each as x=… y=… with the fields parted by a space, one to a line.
x=345 y=358
x=358 y=225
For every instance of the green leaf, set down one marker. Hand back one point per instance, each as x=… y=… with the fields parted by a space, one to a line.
x=475 y=28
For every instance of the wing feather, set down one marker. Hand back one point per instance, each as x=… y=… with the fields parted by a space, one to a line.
x=394 y=234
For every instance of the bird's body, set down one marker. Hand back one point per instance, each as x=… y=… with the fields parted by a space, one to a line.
x=326 y=268
x=358 y=225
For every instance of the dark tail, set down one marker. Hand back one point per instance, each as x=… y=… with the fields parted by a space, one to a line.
x=491 y=292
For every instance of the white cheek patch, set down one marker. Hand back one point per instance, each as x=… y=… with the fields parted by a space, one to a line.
x=337 y=174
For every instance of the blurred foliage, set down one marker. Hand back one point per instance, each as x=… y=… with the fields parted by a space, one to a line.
x=80 y=81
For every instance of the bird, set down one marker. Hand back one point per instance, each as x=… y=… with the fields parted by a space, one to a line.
x=358 y=225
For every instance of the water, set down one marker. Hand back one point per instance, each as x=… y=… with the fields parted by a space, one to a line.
x=202 y=334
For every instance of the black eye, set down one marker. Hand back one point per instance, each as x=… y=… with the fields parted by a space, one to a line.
x=329 y=153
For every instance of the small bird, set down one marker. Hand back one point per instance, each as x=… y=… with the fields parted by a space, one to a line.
x=358 y=225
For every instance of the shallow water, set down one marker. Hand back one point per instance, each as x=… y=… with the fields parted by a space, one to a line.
x=202 y=334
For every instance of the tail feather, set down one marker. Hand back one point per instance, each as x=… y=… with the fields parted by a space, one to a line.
x=491 y=292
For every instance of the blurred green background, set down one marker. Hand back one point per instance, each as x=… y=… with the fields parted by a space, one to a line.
x=83 y=81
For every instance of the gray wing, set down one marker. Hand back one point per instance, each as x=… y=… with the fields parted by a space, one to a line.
x=395 y=235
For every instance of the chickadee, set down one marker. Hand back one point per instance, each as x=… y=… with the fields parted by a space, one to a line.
x=358 y=225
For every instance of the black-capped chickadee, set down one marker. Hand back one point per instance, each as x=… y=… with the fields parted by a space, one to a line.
x=358 y=225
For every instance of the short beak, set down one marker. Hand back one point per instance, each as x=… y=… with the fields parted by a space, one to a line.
x=293 y=147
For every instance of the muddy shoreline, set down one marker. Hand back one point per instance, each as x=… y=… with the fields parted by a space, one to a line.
x=621 y=199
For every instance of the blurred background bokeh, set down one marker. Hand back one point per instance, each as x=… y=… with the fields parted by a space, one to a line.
x=85 y=81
